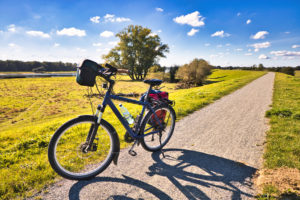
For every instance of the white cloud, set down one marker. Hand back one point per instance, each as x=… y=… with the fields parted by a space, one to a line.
x=106 y=34
x=193 y=19
x=207 y=44
x=285 y=53
x=122 y=19
x=1 y=31
x=221 y=54
x=228 y=44
x=56 y=45
x=71 y=32
x=220 y=34
x=192 y=32
x=80 y=50
x=113 y=43
x=108 y=16
x=262 y=45
x=38 y=34
x=12 y=45
x=287 y=32
x=238 y=14
x=259 y=35
x=104 y=51
x=97 y=44
x=263 y=56
x=95 y=19
x=219 y=46
x=248 y=21
x=295 y=46
x=239 y=49
x=152 y=34
x=11 y=28
x=15 y=47
x=112 y=18
x=248 y=54
x=159 y=9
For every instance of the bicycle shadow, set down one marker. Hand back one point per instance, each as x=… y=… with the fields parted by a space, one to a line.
x=77 y=187
x=217 y=172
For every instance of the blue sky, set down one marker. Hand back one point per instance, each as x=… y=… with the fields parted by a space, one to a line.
x=222 y=32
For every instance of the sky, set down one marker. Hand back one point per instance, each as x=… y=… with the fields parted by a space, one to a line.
x=224 y=32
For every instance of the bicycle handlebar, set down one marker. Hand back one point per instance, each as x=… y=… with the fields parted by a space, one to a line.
x=113 y=70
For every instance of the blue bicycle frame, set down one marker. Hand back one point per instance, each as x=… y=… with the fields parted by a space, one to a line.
x=107 y=101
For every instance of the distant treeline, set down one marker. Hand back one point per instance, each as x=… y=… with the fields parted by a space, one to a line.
x=260 y=67
x=35 y=66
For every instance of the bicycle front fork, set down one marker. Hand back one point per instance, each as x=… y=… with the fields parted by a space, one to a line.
x=89 y=144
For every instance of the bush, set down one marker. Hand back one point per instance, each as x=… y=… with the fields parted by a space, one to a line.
x=297 y=116
x=279 y=113
x=195 y=72
x=288 y=70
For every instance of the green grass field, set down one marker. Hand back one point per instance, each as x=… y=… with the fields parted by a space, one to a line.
x=32 y=109
x=283 y=139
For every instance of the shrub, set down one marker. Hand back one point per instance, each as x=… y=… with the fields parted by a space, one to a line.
x=288 y=70
x=297 y=116
x=279 y=113
x=195 y=72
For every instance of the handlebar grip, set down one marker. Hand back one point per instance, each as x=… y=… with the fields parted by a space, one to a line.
x=123 y=71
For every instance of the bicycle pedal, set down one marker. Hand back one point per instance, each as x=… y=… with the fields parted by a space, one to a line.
x=132 y=153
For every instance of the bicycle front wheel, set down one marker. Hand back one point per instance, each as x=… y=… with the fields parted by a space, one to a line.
x=69 y=154
x=166 y=117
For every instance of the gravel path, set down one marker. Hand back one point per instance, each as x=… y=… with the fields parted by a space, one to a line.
x=212 y=155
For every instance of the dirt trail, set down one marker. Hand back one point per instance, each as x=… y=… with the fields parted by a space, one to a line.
x=212 y=155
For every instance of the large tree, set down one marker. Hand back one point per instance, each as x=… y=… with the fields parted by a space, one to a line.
x=138 y=50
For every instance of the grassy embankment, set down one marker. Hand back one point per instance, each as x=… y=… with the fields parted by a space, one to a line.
x=32 y=109
x=281 y=176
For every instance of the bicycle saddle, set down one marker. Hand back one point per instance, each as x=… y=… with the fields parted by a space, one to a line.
x=153 y=82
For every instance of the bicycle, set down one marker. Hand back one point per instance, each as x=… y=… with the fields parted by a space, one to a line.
x=85 y=146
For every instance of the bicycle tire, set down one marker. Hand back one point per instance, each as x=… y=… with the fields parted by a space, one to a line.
x=151 y=142
x=77 y=167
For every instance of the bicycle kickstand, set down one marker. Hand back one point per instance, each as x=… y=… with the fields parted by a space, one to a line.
x=162 y=152
x=131 y=151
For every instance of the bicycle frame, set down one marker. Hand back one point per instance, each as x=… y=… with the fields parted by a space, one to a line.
x=107 y=101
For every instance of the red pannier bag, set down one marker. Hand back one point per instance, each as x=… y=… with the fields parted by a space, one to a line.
x=161 y=114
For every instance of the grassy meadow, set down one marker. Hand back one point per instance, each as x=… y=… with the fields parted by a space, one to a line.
x=283 y=139
x=32 y=109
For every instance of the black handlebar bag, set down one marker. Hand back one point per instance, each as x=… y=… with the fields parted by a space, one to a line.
x=87 y=72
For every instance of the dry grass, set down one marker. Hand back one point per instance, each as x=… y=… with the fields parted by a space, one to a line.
x=283 y=179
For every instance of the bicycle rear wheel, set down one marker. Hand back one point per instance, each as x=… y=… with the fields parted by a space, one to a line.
x=156 y=141
x=69 y=155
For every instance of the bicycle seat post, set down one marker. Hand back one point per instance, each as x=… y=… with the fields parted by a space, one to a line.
x=148 y=92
